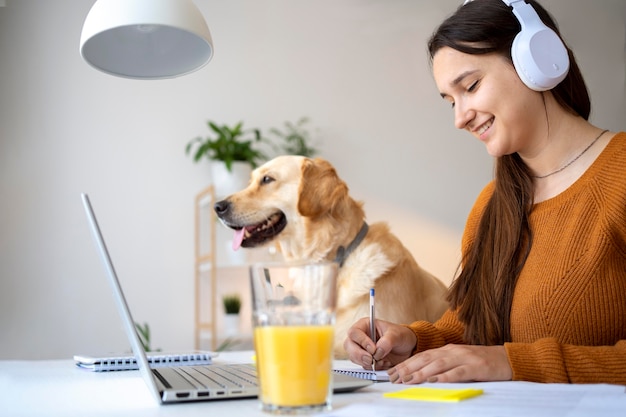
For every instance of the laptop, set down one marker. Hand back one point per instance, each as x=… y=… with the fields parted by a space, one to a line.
x=174 y=384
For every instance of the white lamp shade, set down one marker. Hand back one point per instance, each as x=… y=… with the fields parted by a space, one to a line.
x=146 y=39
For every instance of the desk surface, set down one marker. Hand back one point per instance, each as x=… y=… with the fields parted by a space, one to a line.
x=58 y=388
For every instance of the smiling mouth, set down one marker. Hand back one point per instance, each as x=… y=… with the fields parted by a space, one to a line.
x=484 y=127
x=257 y=234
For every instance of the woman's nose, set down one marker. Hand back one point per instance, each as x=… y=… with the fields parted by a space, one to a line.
x=462 y=115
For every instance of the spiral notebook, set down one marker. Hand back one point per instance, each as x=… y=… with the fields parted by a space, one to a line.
x=128 y=362
x=379 y=376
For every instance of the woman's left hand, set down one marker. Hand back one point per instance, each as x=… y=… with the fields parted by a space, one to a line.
x=454 y=363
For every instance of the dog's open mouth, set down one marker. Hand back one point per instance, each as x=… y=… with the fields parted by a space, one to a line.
x=257 y=234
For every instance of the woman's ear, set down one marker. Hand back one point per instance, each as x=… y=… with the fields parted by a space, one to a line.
x=321 y=190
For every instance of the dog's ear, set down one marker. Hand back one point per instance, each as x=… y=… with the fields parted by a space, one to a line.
x=321 y=190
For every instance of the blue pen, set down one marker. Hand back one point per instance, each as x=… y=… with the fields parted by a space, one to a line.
x=372 y=324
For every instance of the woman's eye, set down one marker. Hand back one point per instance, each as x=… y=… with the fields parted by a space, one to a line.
x=473 y=86
x=266 y=179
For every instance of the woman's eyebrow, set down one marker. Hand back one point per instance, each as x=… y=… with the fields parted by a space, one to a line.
x=463 y=75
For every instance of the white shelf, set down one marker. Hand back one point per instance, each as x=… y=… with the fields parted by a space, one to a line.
x=205 y=283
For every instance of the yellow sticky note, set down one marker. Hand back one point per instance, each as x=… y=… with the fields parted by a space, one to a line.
x=434 y=394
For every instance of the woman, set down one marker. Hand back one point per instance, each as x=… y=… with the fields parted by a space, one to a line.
x=541 y=292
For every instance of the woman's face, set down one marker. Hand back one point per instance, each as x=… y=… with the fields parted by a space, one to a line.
x=489 y=100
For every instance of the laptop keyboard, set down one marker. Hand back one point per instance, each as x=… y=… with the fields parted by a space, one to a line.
x=230 y=378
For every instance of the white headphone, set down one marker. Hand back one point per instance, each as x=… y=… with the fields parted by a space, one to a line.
x=539 y=56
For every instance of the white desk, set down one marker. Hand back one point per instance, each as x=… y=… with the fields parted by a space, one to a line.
x=58 y=388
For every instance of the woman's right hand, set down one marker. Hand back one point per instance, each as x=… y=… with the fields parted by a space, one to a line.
x=395 y=344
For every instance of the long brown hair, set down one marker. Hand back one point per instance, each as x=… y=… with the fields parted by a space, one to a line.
x=483 y=290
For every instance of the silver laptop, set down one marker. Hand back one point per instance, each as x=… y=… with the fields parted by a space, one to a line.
x=189 y=383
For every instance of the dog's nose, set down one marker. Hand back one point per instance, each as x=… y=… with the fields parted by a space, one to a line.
x=221 y=207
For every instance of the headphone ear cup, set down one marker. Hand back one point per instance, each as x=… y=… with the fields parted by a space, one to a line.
x=540 y=58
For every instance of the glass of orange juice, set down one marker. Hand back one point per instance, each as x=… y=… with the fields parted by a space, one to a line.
x=293 y=314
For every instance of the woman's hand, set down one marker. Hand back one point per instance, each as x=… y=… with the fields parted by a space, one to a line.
x=395 y=344
x=454 y=363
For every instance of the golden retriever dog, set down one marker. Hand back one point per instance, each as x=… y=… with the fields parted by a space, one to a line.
x=302 y=205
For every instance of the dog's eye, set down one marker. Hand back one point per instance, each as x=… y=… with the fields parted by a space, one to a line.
x=267 y=179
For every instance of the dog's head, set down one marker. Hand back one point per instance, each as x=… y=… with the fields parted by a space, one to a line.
x=282 y=195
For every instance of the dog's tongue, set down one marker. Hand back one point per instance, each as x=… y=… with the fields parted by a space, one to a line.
x=238 y=238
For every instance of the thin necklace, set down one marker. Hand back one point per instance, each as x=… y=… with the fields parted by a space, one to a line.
x=573 y=160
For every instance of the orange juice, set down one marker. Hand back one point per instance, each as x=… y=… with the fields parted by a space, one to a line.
x=294 y=364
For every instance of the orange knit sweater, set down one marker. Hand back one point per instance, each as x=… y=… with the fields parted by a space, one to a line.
x=568 y=318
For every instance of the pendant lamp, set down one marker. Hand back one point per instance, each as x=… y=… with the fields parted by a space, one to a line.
x=146 y=39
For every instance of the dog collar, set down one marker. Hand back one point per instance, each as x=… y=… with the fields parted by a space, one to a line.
x=343 y=253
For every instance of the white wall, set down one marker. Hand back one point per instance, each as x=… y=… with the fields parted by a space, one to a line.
x=358 y=69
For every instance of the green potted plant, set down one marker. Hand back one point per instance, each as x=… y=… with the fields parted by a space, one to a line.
x=232 y=306
x=229 y=144
x=232 y=303
x=233 y=151
x=294 y=138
